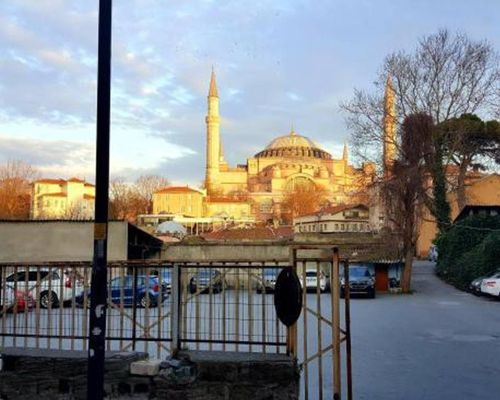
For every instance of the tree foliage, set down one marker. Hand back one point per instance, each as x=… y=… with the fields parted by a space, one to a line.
x=469 y=249
x=15 y=189
x=469 y=142
x=303 y=199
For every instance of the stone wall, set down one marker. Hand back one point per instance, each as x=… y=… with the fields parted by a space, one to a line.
x=55 y=374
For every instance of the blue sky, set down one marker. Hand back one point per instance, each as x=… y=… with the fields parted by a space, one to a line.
x=278 y=63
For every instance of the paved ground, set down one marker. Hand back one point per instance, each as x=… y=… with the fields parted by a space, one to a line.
x=438 y=343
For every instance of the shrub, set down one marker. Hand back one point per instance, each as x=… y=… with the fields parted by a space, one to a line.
x=469 y=249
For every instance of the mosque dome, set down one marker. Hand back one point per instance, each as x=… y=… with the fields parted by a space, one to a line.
x=293 y=145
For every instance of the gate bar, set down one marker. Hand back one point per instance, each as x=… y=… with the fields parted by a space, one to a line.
x=336 y=324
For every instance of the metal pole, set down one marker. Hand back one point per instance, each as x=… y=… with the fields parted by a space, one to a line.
x=347 y=303
x=336 y=325
x=175 y=292
x=97 y=320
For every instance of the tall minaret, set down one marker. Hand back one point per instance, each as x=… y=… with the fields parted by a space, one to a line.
x=389 y=127
x=345 y=154
x=213 y=137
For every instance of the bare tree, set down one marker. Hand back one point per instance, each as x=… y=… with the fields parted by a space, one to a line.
x=446 y=76
x=146 y=185
x=125 y=202
x=303 y=199
x=15 y=189
x=404 y=192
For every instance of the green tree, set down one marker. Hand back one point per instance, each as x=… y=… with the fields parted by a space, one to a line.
x=469 y=142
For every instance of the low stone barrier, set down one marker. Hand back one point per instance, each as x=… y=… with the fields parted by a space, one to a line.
x=193 y=375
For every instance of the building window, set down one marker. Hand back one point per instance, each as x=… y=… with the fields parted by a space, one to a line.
x=342 y=227
x=336 y=227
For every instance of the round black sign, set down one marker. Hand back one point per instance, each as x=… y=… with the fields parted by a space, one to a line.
x=288 y=296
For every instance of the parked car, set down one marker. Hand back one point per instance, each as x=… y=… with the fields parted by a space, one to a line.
x=312 y=280
x=433 y=253
x=166 y=279
x=475 y=285
x=491 y=285
x=18 y=300
x=206 y=279
x=149 y=291
x=267 y=280
x=50 y=286
x=361 y=281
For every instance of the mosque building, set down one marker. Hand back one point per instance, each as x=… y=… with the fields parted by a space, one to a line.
x=286 y=162
x=257 y=189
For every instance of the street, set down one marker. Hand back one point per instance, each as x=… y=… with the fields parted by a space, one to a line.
x=438 y=343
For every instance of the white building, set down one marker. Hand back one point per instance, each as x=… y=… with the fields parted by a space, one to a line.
x=343 y=218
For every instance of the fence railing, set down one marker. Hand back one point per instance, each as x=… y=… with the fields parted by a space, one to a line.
x=213 y=306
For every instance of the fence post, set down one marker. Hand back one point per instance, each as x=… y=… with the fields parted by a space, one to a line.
x=335 y=286
x=291 y=331
x=175 y=292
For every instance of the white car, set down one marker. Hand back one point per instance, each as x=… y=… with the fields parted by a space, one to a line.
x=52 y=288
x=312 y=280
x=491 y=285
x=433 y=253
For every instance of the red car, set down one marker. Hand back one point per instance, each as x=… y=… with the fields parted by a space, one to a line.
x=16 y=300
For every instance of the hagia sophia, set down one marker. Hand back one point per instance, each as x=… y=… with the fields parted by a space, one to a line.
x=258 y=187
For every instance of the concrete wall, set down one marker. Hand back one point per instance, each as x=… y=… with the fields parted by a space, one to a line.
x=485 y=191
x=38 y=241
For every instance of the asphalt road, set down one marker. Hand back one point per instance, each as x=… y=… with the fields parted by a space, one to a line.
x=438 y=343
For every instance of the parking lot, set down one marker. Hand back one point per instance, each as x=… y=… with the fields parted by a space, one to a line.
x=438 y=343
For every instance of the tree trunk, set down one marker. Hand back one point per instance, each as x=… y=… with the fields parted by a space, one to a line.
x=406 y=278
x=461 y=200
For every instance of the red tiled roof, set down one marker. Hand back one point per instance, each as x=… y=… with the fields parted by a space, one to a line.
x=224 y=200
x=58 y=194
x=88 y=184
x=48 y=180
x=257 y=233
x=88 y=197
x=177 y=189
x=77 y=180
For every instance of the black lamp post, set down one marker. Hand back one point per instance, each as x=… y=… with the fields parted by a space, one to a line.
x=98 y=295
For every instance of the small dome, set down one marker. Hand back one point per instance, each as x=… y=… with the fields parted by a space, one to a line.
x=293 y=145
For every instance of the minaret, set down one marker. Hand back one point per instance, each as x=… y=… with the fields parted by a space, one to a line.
x=389 y=127
x=213 y=137
x=345 y=154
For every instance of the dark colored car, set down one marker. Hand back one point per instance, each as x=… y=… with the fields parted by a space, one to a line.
x=149 y=292
x=361 y=282
x=206 y=279
x=267 y=280
x=166 y=279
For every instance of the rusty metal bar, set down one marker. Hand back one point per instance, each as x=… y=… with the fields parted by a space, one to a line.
x=347 y=310
x=335 y=298
x=305 y=331
x=318 y=320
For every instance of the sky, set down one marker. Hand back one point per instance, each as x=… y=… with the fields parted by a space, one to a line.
x=278 y=63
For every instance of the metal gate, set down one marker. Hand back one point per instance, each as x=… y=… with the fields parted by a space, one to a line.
x=317 y=337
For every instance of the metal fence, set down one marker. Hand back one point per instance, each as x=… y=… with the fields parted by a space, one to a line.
x=217 y=306
x=162 y=307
